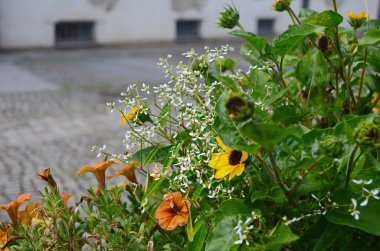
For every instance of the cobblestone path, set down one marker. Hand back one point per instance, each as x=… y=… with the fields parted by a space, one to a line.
x=53 y=129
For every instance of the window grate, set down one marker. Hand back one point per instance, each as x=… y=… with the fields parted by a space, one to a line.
x=74 y=33
x=305 y=4
x=188 y=30
x=266 y=28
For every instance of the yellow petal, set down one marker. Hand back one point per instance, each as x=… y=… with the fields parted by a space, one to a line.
x=244 y=157
x=223 y=146
x=220 y=173
x=218 y=160
x=237 y=171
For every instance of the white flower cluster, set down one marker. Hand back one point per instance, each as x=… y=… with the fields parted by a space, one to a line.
x=365 y=196
x=183 y=105
x=244 y=228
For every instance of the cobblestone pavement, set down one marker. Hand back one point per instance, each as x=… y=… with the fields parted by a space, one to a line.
x=52 y=110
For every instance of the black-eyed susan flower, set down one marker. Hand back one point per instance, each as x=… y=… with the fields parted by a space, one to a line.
x=99 y=169
x=129 y=116
x=230 y=162
x=356 y=20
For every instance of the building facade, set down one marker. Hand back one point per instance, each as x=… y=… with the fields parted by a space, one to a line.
x=65 y=23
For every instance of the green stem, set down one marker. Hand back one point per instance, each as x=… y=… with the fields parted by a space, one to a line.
x=351 y=164
x=277 y=174
x=362 y=79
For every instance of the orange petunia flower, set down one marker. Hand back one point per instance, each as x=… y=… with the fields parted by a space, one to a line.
x=99 y=169
x=12 y=208
x=26 y=216
x=65 y=196
x=128 y=171
x=173 y=212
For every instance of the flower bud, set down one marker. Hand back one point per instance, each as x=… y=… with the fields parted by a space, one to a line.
x=46 y=175
x=281 y=5
x=143 y=115
x=332 y=146
x=356 y=20
x=325 y=45
x=239 y=107
x=229 y=18
x=376 y=120
x=367 y=134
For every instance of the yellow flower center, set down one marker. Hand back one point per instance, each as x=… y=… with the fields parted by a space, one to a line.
x=235 y=158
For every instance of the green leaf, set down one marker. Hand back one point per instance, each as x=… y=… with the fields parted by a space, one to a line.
x=287 y=114
x=373 y=59
x=258 y=42
x=320 y=236
x=282 y=235
x=276 y=96
x=326 y=18
x=250 y=54
x=312 y=70
x=150 y=154
x=201 y=232
x=223 y=235
x=293 y=36
x=266 y=134
x=228 y=82
x=369 y=220
x=231 y=207
x=164 y=114
x=370 y=38
x=228 y=131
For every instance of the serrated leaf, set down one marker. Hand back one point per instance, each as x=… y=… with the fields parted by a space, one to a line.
x=223 y=235
x=326 y=18
x=370 y=38
x=258 y=42
x=312 y=70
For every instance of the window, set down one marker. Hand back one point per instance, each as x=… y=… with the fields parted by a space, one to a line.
x=73 y=34
x=266 y=28
x=305 y=4
x=188 y=30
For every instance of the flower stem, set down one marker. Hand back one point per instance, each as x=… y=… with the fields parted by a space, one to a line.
x=351 y=164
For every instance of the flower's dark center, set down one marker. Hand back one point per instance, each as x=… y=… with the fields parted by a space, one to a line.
x=323 y=44
x=233 y=105
x=235 y=157
x=373 y=134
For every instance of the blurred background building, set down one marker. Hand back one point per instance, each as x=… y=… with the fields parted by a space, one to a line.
x=73 y=23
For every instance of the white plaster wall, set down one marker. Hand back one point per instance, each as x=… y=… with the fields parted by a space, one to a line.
x=30 y=23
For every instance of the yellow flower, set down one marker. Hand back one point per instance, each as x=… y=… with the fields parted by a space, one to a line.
x=129 y=116
x=99 y=169
x=356 y=20
x=230 y=161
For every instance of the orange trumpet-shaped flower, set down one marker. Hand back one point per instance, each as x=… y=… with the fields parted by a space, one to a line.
x=128 y=171
x=99 y=169
x=173 y=212
x=26 y=216
x=65 y=196
x=12 y=208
